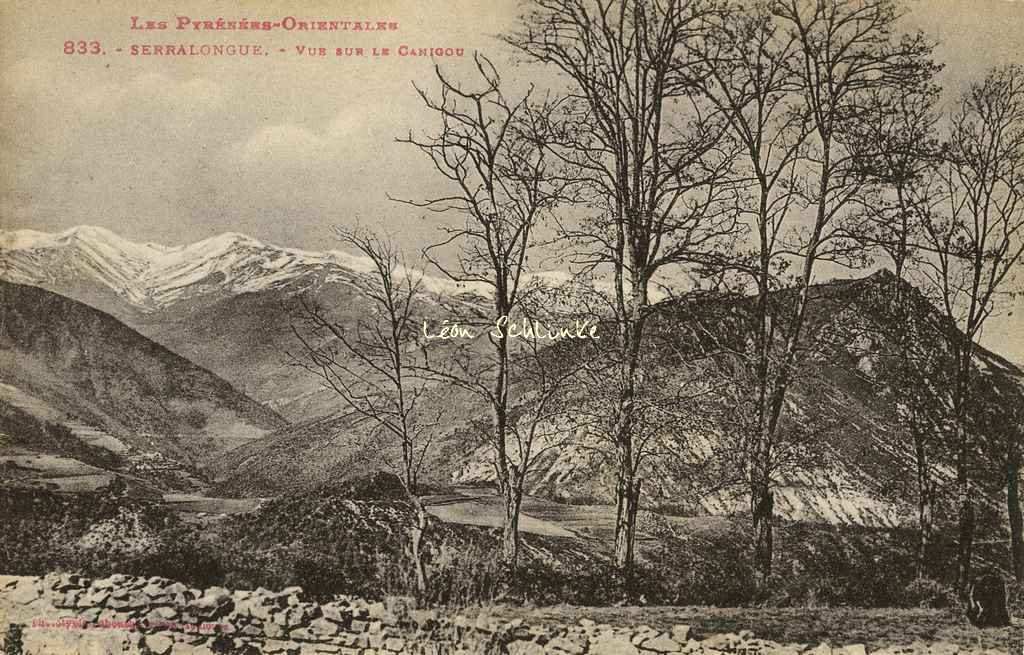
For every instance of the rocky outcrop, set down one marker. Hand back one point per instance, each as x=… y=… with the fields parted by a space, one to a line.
x=68 y=613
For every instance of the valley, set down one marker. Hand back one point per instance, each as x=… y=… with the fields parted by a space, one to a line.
x=168 y=388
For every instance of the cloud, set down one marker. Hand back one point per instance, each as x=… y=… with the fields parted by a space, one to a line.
x=284 y=143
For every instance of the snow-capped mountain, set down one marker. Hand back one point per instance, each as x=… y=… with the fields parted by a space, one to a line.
x=226 y=303
x=151 y=276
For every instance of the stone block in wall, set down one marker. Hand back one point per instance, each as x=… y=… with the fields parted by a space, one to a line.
x=661 y=643
x=255 y=609
x=609 y=642
x=279 y=647
x=681 y=633
x=65 y=581
x=161 y=613
x=211 y=606
x=96 y=596
x=275 y=630
x=160 y=643
x=524 y=648
x=337 y=613
x=69 y=597
x=252 y=631
x=316 y=630
x=133 y=600
x=346 y=639
x=727 y=642
x=300 y=615
x=564 y=645
x=90 y=614
x=180 y=593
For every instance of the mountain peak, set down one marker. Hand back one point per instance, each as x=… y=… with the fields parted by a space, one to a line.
x=228 y=239
x=150 y=276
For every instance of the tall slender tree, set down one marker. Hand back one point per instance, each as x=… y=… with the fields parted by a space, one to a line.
x=491 y=152
x=651 y=161
x=901 y=153
x=844 y=53
x=974 y=249
x=752 y=80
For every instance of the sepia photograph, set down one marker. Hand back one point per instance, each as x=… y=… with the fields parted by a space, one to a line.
x=519 y=327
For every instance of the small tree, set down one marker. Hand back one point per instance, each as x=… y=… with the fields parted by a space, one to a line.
x=491 y=152
x=369 y=365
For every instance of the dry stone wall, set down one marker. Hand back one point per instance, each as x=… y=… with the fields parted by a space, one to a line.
x=154 y=616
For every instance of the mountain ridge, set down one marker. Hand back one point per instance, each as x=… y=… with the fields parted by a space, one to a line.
x=153 y=276
x=88 y=370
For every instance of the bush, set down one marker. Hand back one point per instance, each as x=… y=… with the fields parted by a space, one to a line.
x=710 y=568
x=928 y=594
x=12 y=640
x=182 y=552
x=829 y=566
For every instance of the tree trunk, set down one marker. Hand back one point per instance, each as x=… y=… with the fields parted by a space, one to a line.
x=762 y=500
x=625 y=518
x=513 y=498
x=924 y=505
x=964 y=490
x=506 y=474
x=416 y=535
x=627 y=492
x=1013 y=508
x=634 y=505
x=763 y=511
x=965 y=503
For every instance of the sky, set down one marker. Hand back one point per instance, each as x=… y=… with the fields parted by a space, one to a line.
x=283 y=146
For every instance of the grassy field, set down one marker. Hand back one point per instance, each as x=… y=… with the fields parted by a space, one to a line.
x=875 y=628
x=351 y=547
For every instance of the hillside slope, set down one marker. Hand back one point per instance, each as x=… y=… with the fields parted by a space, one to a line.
x=850 y=463
x=70 y=364
x=226 y=302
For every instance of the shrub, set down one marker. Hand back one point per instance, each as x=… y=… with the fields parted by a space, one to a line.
x=928 y=593
x=12 y=640
x=711 y=568
x=181 y=552
x=828 y=566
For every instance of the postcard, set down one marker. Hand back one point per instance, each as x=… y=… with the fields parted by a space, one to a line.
x=608 y=327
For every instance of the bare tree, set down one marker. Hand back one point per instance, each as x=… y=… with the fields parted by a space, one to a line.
x=836 y=55
x=370 y=365
x=901 y=153
x=491 y=153
x=752 y=79
x=974 y=251
x=651 y=162
x=1012 y=431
